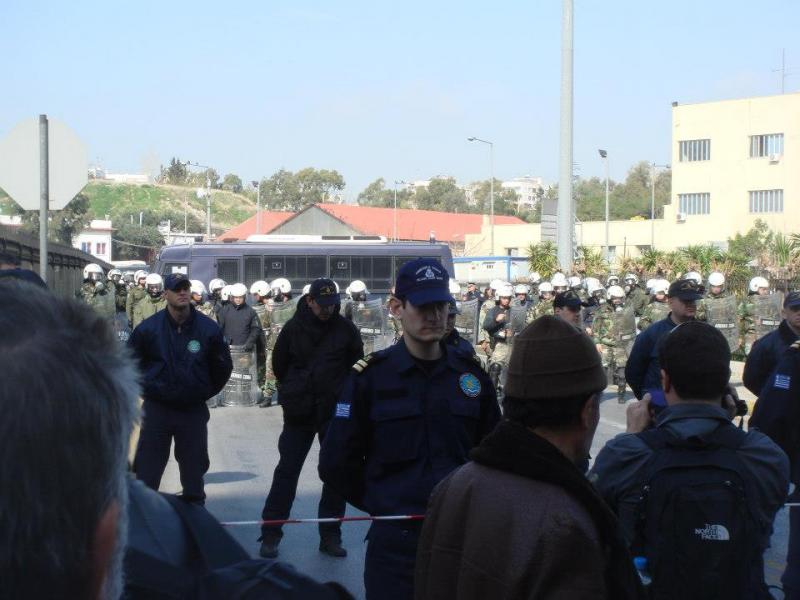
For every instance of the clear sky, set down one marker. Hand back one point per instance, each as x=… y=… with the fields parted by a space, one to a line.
x=378 y=88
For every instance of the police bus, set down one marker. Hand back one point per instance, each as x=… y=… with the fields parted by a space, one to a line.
x=300 y=259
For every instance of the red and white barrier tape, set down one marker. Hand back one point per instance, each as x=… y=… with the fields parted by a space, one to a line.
x=324 y=520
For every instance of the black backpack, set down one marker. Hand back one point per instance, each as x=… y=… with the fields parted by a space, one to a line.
x=220 y=569
x=695 y=522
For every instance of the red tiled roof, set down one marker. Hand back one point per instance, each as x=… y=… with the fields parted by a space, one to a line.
x=412 y=224
x=270 y=219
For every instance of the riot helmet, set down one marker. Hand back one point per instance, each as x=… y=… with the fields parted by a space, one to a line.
x=93 y=272
x=559 y=283
x=115 y=275
x=545 y=290
x=694 y=276
x=154 y=284
x=757 y=284
x=357 y=290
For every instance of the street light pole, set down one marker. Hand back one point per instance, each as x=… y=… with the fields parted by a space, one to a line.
x=258 y=206
x=604 y=156
x=653 y=167
x=208 y=198
x=491 y=187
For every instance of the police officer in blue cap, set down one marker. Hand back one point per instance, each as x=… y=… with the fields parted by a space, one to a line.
x=407 y=417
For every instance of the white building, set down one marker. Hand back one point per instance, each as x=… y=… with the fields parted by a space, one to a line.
x=527 y=189
x=95 y=239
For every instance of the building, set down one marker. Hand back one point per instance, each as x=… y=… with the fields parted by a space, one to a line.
x=95 y=239
x=529 y=190
x=733 y=162
x=408 y=224
x=269 y=220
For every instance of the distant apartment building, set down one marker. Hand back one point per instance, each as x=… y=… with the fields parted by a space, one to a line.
x=528 y=190
x=95 y=239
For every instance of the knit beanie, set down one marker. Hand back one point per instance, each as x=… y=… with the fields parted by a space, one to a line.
x=553 y=359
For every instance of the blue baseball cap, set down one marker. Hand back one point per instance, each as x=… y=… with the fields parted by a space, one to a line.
x=323 y=292
x=175 y=281
x=423 y=281
x=792 y=300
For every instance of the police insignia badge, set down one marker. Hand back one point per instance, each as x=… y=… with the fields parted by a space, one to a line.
x=470 y=385
x=193 y=346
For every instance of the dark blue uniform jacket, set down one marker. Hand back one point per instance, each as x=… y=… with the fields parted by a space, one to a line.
x=397 y=430
x=764 y=356
x=454 y=340
x=643 y=371
x=182 y=366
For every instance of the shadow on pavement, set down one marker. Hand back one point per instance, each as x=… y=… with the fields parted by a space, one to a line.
x=228 y=476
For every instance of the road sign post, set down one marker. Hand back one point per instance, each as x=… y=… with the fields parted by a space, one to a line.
x=47 y=148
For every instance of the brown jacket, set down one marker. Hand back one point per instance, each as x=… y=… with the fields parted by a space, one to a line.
x=497 y=532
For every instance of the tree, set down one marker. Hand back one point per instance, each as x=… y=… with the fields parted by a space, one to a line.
x=175 y=174
x=205 y=177
x=294 y=191
x=280 y=191
x=543 y=259
x=505 y=200
x=376 y=194
x=63 y=225
x=441 y=194
x=232 y=183
x=131 y=242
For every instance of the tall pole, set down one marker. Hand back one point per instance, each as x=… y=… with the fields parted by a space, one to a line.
x=491 y=194
x=608 y=248
x=208 y=207
x=44 y=193
x=652 y=205
x=258 y=207
x=394 y=225
x=565 y=218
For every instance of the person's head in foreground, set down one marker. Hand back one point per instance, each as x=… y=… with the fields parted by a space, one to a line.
x=555 y=378
x=67 y=396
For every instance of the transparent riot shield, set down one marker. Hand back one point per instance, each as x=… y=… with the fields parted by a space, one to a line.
x=467 y=321
x=722 y=314
x=517 y=319
x=368 y=317
x=624 y=328
x=242 y=387
x=121 y=329
x=767 y=313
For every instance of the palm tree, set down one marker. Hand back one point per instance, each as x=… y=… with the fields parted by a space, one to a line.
x=590 y=263
x=700 y=256
x=543 y=259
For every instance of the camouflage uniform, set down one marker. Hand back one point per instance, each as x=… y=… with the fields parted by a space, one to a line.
x=102 y=302
x=483 y=335
x=207 y=309
x=146 y=308
x=637 y=299
x=747 y=323
x=701 y=305
x=544 y=307
x=261 y=345
x=655 y=311
x=135 y=294
x=614 y=352
x=120 y=296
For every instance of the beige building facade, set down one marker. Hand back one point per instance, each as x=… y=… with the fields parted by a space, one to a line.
x=733 y=162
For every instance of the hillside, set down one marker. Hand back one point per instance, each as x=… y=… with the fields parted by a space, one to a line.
x=227 y=209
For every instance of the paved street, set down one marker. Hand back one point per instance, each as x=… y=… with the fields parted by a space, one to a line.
x=243 y=447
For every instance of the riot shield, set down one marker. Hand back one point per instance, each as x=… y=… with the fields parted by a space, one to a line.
x=121 y=328
x=660 y=310
x=623 y=328
x=722 y=314
x=368 y=317
x=767 y=313
x=517 y=319
x=280 y=314
x=242 y=387
x=467 y=320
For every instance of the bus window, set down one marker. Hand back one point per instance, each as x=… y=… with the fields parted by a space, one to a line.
x=295 y=270
x=228 y=270
x=273 y=267
x=361 y=268
x=340 y=270
x=252 y=269
x=316 y=267
x=381 y=273
x=175 y=268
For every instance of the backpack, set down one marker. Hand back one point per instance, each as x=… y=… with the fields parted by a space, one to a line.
x=220 y=569
x=695 y=522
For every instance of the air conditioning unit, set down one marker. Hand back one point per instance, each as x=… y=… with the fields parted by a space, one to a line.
x=773 y=158
x=680 y=217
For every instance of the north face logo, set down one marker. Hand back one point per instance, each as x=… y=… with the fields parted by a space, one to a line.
x=718 y=533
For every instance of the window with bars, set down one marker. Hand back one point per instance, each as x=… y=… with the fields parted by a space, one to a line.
x=694 y=204
x=766 y=145
x=766 y=201
x=228 y=270
x=252 y=270
x=694 y=150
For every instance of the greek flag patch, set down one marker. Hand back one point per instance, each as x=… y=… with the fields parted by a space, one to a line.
x=342 y=411
x=782 y=381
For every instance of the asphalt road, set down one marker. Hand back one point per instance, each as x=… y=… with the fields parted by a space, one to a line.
x=243 y=446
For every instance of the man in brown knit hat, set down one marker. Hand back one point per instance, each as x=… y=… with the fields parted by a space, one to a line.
x=535 y=526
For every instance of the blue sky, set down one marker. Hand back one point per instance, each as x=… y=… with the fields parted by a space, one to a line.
x=382 y=89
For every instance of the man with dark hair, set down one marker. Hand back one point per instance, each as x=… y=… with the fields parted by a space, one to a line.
x=685 y=482
x=642 y=369
x=313 y=354
x=184 y=361
x=567 y=307
x=408 y=416
x=536 y=527
x=68 y=396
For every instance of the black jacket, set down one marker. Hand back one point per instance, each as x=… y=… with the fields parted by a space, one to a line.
x=311 y=360
x=764 y=357
x=182 y=366
x=240 y=325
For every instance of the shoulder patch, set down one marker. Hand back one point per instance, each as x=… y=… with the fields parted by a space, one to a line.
x=795 y=346
x=363 y=363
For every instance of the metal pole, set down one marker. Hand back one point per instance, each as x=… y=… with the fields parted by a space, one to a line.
x=258 y=208
x=208 y=208
x=565 y=217
x=608 y=251
x=491 y=193
x=394 y=234
x=44 y=193
x=652 y=205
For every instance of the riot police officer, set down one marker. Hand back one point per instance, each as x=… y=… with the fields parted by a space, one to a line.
x=451 y=335
x=613 y=331
x=597 y=298
x=408 y=416
x=119 y=289
x=719 y=308
x=521 y=292
x=484 y=340
x=757 y=288
x=472 y=292
x=198 y=291
x=356 y=292
x=260 y=292
x=545 y=304
x=135 y=294
x=215 y=287
x=95 y=293
x=152 y=303
x=635 y=296
x=498 y=325
x=658 y=308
